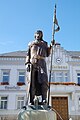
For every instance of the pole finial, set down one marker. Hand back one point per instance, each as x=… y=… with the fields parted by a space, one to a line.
x=55 y=5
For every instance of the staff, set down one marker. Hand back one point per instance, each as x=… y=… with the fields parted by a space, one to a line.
x=55 y=22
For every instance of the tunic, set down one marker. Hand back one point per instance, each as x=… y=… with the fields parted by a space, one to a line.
x=37 y=53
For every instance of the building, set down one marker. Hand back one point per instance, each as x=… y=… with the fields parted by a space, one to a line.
x=12 y=84
x=64 y=86
x=65 y=83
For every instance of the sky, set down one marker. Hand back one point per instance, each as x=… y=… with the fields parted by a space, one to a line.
x=20 y=19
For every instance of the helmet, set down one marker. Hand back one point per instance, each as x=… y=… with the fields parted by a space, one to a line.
x=38 y=34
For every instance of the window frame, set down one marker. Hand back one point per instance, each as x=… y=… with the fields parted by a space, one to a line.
x=23 y=71
x=65 y=78
x=20 y=101
x=78 y=78
x=3 y=103
x=20 y=83
x=3 y=76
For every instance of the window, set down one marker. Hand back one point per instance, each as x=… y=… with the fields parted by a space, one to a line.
x=5 y=76
x=3 y=102
x=52 y=77
x=21 y=77
x=78 y=78
x=20 y=102
x=79 y=103
x=59 y=76
x=66 y=77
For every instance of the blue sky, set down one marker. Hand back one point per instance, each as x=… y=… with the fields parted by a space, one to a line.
x=19 y=19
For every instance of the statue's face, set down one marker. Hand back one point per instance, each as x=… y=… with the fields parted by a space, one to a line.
x=38 y=36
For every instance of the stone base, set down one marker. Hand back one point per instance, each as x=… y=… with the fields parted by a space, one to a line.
x=36 y=113
x=74 y=117
x=8 y=117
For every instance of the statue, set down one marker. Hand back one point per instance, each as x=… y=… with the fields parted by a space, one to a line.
x=36 y=54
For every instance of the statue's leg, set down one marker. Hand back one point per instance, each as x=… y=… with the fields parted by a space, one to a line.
x=32 y=86
x=44 y=87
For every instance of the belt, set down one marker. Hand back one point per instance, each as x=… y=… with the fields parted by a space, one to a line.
x=38 y=57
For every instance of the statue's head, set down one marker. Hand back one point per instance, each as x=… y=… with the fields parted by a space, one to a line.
x=38 y=35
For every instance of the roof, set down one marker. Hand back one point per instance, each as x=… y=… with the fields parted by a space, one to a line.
x=14 y=54
x=74 y=54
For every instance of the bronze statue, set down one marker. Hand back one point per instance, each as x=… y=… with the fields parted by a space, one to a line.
x=36 y=54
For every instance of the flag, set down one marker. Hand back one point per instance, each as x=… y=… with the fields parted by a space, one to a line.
x=55 y=21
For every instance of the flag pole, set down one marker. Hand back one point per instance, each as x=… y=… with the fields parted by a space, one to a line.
x=53 y=43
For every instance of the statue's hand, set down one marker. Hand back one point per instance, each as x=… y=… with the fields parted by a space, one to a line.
x=28 y=67
x=53 y=42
